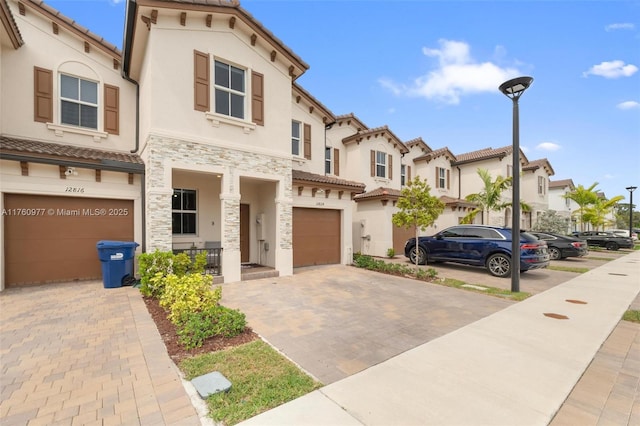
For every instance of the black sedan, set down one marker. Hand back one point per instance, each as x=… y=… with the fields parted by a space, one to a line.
x=608 y=240
x=561 y=246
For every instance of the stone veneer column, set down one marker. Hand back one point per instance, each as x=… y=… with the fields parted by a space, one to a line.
x=158 y=209
x=230 y=231
x=284 y=234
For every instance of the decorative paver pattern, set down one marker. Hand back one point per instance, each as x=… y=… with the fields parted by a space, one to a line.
x=77 y=353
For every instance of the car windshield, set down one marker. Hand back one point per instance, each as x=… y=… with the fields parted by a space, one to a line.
x=527 y=236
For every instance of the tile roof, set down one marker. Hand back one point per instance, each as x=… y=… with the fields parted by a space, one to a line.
x=10 y=25
x=536 y=164
x=435 y=154
x=382 y=131
x=388 y=193
x=450 y=201
x=299 y=175
x=36 y=149
x=562 y=183
x=488 y=153
x=329 y=116
x=71 y=25
x=418 y=142
x=348 y=118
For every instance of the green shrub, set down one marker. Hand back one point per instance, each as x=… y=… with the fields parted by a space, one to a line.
x=155 y=267
x=211 y=321
x=391 y=252
x=187 y=294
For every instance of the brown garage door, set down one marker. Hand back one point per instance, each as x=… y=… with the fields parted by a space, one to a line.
x=54 y=238
x=400 y=237
x=316 y=237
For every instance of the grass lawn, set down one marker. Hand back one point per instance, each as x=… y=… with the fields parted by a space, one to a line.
x=261 y=379
x=568 y=269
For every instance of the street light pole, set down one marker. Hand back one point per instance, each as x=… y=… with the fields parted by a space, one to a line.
x=513 y=89
x=631 y=189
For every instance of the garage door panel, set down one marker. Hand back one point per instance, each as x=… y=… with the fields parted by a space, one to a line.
x=59 y=243
x=316 y=237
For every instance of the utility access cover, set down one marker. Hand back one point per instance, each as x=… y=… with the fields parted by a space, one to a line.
x=210 y=384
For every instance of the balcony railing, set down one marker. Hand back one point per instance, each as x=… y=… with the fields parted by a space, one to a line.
x=214 y=258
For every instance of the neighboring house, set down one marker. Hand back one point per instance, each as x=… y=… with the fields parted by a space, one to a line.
x=436 y=167
x=372 y=156
x=498 y=162
x=534 y=189
x=560 y=204
x=68 y=175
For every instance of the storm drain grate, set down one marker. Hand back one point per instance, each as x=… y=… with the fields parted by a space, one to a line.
x=577 y=302
x=555 y=316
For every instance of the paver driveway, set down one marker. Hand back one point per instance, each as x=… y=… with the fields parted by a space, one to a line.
x=337 y=320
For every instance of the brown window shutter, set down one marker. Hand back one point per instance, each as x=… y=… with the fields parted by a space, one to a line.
x=43 y=95
x=257 y=98
x=336 y=161
x=373 y=163
x=307 y=141
x=408 y=174
x=437 y=177
x=201 y=81
x=448 y=187
x=111 y=109
x=390 y=175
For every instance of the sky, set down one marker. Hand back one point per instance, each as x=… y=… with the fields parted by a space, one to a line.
x=431 y=69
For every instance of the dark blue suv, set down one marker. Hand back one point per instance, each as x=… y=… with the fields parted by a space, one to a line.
x=479 y=245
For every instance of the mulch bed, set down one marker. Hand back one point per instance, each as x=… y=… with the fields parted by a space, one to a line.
x=176 y=351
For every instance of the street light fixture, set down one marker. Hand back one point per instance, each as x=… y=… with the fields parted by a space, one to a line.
x=630 y=189
x=513 y=89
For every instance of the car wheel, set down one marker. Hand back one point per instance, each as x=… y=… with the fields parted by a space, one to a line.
x=612 y=246
x=422 y=256
x=555 y=254
x=499 y=265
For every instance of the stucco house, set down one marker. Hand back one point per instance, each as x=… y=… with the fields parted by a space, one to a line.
x=69 y=173
x=558 y=189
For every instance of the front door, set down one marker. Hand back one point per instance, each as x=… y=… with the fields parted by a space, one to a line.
x=244 y=233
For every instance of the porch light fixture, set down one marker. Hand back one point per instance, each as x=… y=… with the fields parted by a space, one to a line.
x=631 y=189
x=513 y=89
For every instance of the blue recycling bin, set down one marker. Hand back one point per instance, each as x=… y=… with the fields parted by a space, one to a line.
x=116 y=258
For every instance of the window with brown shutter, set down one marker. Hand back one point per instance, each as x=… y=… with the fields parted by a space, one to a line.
x=448 y=175
x=307 y=141
x=201 y=81
x=43 y=95
x=111 y=109
x=257 y=98
x=390 y=175
x=408 y=173
x=336 y=161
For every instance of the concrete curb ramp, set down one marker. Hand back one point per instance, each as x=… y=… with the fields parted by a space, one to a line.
x=514 y=367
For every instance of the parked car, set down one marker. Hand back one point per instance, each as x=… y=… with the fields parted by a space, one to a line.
x=624 y=233
x=608 y=240
x=562 y=246
x=479 y=245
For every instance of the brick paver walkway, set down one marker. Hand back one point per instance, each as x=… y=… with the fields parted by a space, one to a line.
x=77 y=353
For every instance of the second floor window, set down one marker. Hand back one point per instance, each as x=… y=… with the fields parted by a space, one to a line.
x=403 y=174
x=78 y=102
x=295 y=137
x=509 y=170
x=230 y=90
x=183 y=211
x=541 y=185
x=381 y=164
x=442 y=178
x=327 y=160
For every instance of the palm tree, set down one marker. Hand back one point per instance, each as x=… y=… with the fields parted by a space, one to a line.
x=583 y=197
x=490 y=198
x=596 y=214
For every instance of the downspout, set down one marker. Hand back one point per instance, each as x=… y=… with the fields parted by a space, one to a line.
x=128 y=35
x=459 y=183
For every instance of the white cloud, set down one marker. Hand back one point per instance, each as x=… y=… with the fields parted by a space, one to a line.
x=457 y=74
x=612 y=69
x=548 y=146
x=619 y=26
x=628 y=105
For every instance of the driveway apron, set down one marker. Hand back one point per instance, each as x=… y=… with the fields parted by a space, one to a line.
x=77 y=353
x=337 y=320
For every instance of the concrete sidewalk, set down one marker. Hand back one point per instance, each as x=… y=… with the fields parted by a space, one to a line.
x=516 y=366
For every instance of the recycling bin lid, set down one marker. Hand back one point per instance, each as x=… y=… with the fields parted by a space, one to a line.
x=116 y=244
